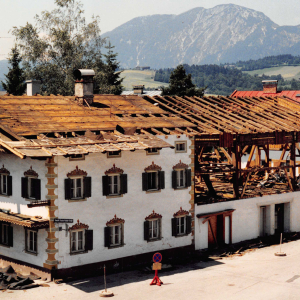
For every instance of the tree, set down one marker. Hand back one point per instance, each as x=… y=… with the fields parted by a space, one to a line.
x=15 y=84
x=60 y=41
x=181 y=84
x=111 y=81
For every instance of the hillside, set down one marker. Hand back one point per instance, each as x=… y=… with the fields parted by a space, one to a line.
x=136 y=77
x=225 y=33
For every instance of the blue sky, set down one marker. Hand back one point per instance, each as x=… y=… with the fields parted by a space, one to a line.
x=113 y=13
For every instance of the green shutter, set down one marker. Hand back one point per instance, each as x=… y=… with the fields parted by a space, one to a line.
x=161 y=180
x=10 y=236
x=188 y=224
x=174 y=227
x=174 y=179
x=123 y=182
x=188 y=174
x=146 y=230
x=107 y=236
x=89 y=240
x=145 y=181
x=36 y=185
x=24 y=187
x=105 y=185
x=87 y=190
x=68 y=184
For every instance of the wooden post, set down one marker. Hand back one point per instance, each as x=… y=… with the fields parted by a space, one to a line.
x=293 y=163
x=236 y=161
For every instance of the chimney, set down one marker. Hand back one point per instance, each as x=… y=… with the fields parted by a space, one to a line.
x=270 y=86
x=84 y=85
x=33 y=87
x=138 y=89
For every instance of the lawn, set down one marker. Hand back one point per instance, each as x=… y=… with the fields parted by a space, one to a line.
x=136 y=77
x=287 y=72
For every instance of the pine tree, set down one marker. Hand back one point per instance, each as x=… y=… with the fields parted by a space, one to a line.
x=15 y=78
x=181 y=84
x=112 y=83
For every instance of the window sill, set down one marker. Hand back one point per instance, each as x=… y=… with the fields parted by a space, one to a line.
x=28 y=199
x=157 y=153
x=32 y=253
x=5 y=246
x=3 y=195
x=117 y=246
x=181 y=235
x=153 y=191
x=154 y=240
x=79 y=252
x=180 y=151
x=77 y=200
x=181 y=188
x=114 y=196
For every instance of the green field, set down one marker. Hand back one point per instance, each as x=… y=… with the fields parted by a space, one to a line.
x=287 y=72
x=136 y=77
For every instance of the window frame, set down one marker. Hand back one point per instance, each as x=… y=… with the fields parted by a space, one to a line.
x=76 y=231
x=178 y=179
x=2 y=182
x=35 y=241
x=156 y=180
x=30 y=187
x=74 y=188
x=112 y=235
x=178 y=225
x=111 y=185
x=150 y=151
x=4 y=233
x=151 y=237
x=114 y=154
x=185 y=147
x=74 y=157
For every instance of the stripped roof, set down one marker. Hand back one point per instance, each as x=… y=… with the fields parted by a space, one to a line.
x=32 y=115
x=24 y=220
x=290 y=94
x=47 y=147
x=215 y=115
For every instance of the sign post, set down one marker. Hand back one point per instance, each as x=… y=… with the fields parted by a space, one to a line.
x=157 y=257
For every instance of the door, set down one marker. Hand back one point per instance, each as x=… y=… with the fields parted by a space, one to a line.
x=263 y=221
x=279 y=218
x=215 y=231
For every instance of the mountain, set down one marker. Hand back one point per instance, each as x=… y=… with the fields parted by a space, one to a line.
x=225 y=33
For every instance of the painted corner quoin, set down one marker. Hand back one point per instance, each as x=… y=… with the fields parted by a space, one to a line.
x=192 y=191
x=51 y=262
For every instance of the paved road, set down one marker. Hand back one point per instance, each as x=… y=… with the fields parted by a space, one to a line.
x=256 y=275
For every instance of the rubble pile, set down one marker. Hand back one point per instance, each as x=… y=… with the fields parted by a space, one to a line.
x=11 y=280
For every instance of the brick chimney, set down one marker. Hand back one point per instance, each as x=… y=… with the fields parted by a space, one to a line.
x=33 y=87
x=84 y=85
x=270 y=86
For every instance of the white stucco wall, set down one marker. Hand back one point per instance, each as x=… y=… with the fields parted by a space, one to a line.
x=17 y=204
x=246 y=217
x=133 y=207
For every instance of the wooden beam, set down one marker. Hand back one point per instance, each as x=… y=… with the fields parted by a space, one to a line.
x=245 y=185
x=250 y=157
x=226 y=154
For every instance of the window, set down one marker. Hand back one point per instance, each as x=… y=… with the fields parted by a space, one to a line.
x=3 y=179
x=113 y=154
x=180 y=147
x=6 y=234
x=5 y=182
x=77 y=241
x=152 y=229
x=78 y=187
x=114 y=235
x=31 y=188
x=74 y=157
x=31 y=241
x=181 y=178
x=152 y=151
x=114 y=184
x=181 y=225
x=153 y=180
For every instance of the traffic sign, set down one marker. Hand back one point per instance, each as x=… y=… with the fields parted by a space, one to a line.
x=157 y=257
x=63 y=221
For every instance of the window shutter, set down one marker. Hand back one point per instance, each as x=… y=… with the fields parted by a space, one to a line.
x=107 y=236
x=159 y=228
x=145 y=181
x=88 y=240
x=9 y=185
x=87 y=191
x=123 y=182
x=174 y=227
x=0 y=233
x=105 y=185
x=146 y=230
x=10 y=236
x=24 y=187
x=188 y=224
x=161 y=180
x=188 y=174
x=26 y=238
x=122 y=233
x=36 y=184
x=68 y=184
x=174 y=179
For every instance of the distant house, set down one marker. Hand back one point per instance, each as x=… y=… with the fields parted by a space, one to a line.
x=142 y=68
x=139 y=90
x=269 y=89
